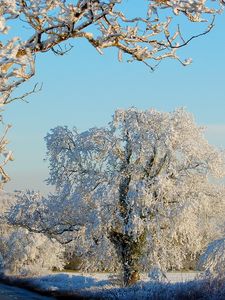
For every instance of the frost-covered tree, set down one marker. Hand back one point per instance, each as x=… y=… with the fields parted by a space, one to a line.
x=139 y=191
x=130 y=181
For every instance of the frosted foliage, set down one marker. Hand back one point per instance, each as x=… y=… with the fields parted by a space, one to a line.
x=59 y=218
x=7 y=200
x=190 y=231
x=5 y=156
x=23 y=252
x=31 y=26
x=145 y=180
x=212 y=260
x=26 y=253
x=96 y=253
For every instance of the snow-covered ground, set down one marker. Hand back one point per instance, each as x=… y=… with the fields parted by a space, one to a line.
x=71 y=281
x=181 y=276
x=104 y=286
x=98 y=283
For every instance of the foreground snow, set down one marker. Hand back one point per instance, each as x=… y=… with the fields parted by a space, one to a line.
x=13 y=293
x=105 y=286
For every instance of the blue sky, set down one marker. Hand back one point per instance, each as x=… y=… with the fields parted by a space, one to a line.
x=83 y=89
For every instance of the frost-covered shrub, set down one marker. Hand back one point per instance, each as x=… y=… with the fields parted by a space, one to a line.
x=21 y=251
x=30 y=253
x=212 y=260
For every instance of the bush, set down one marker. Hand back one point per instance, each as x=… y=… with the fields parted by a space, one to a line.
x=29 y=253
x=212 y=261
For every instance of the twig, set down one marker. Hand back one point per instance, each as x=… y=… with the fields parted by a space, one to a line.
x=22 y=98
x=210 y=27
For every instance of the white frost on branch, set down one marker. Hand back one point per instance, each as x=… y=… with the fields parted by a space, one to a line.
x=5 y=156
x=150 y=36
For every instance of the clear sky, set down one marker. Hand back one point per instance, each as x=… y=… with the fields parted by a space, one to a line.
x=83 y=89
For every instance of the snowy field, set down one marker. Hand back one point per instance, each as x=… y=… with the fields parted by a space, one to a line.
x=104 y=285
x=73 y=281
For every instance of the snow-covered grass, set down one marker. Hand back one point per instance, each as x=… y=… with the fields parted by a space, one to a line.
x=70 y=281
x=104 y=286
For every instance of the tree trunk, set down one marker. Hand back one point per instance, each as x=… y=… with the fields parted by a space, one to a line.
x=128 y=248
x=129 y=252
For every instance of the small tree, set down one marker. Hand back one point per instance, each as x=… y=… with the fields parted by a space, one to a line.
x=130 y=181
